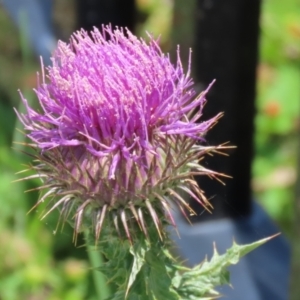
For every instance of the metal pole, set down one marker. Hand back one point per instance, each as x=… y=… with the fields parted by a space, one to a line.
x=226 y=49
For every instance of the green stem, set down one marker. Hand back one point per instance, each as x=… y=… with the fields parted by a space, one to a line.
x=143 y=268
x=96 y=261
x=140 y=269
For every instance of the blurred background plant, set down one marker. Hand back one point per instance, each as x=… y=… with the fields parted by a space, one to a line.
x=278 y=107
x=35 y=263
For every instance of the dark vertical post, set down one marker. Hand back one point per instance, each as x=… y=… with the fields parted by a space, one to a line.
x=98 y=12
x=226 y=49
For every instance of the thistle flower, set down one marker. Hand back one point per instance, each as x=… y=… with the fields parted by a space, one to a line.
x=118 y=136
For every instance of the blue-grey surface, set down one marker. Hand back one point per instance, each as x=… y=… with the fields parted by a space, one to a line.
x=34 y=19
x=260 y=275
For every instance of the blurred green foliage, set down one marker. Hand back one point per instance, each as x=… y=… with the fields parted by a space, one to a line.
x=278 y=107
x=35 y=263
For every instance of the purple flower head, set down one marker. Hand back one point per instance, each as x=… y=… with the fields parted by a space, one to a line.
x=117 y=135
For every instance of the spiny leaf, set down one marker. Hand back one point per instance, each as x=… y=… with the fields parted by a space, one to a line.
x=138 y=262
x=200 y=282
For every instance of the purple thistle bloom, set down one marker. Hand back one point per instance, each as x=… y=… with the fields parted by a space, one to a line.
x=118 y=131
